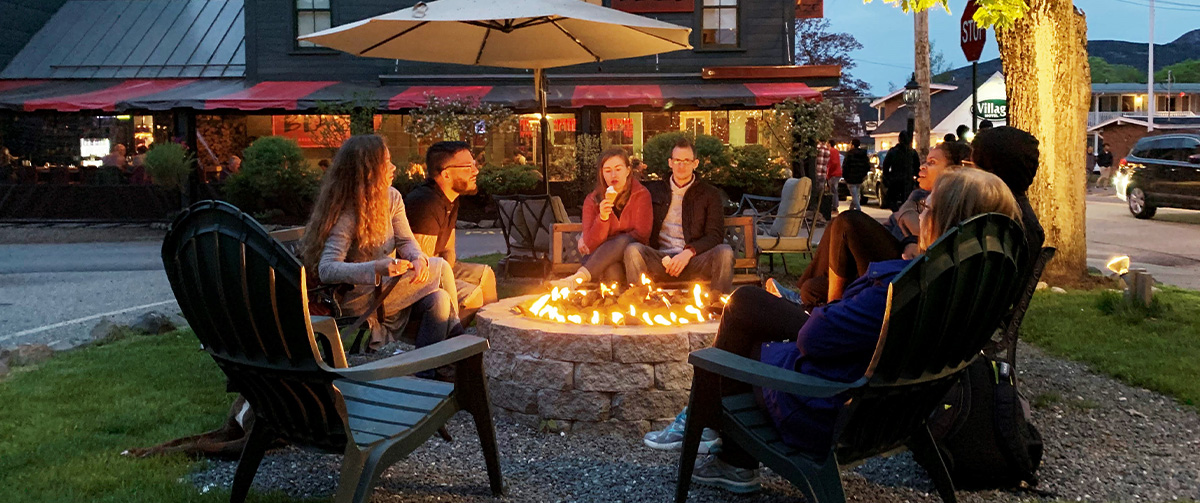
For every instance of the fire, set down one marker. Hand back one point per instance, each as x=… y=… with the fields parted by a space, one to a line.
x=610 y=304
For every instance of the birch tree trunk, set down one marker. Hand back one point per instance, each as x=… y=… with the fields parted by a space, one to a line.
x=1049 y=85
x=921 y=48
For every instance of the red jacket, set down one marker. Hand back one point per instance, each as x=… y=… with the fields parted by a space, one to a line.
x=835 y=163
x=636 y=219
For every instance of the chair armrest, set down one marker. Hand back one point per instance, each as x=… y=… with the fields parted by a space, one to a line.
x=429 y=357
x=742 y=369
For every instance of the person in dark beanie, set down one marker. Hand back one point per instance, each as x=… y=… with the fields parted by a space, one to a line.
x=1012 y=154
x=899 y=169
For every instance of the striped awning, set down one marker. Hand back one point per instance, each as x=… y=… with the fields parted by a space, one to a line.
x=239 y=94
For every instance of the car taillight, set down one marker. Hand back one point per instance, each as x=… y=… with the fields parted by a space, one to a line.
x=1122 y=164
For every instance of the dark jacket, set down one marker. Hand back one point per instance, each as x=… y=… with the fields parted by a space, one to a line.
x=1104 y=160
x=900 y=165
x=703 y=214
x=856 y=166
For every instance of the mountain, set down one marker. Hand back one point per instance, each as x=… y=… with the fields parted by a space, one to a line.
x=1118 y=52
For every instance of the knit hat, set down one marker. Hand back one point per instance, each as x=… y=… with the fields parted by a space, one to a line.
x=1009 y=153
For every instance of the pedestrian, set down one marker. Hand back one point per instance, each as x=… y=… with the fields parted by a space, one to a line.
x=854 y=171
x=899 y=171
x=962 y=131
x=1105 y=161
x=949 y=138
x=833 y=175
x=1089 y=162
x=985 y=125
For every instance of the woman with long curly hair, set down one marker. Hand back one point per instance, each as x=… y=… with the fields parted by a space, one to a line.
x=616 y=213
x=359 y=234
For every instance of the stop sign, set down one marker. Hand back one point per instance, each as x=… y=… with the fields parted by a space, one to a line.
x=971 y=37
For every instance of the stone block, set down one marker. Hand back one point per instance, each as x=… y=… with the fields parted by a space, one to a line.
x=673 y=376
x=526 y=420
x=30 y=354
x=153 y=323
x=514 y=397
x=514 y=340
x=487 y=224
x=542 y=374
x=630 y=429
x=573 y=405
x=648 y=405
x=700 y=340
x=613 y=377
x=577 y=347
x=650 y=348
x=498 y=364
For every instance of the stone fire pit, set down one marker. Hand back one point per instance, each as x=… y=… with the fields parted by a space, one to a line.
x=581 y=378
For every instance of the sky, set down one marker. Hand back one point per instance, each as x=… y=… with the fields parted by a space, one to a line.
x=886 y=32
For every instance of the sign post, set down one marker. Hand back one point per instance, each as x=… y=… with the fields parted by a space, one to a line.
x=972 y=39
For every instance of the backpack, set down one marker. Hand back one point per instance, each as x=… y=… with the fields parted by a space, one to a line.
x=983 y=432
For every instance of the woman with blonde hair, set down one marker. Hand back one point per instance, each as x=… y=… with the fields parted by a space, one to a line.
x=359 y=234
x=836 y=342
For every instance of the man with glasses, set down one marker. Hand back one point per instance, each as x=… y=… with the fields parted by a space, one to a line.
x=432 y=209
x=687 y=238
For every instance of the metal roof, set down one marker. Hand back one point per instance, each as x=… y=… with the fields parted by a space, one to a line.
x=1135 y=88
x=122 y=39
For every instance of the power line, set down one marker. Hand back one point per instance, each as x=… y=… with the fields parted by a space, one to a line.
x=1185 y=8
x=856 y=60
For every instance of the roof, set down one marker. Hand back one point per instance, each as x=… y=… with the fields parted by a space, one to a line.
x=944 y=103
x=1159 y=122
x=1136 y=88
x=125 y=39
x=933 y=86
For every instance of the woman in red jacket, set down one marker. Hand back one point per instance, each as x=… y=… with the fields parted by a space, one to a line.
x=615 y=214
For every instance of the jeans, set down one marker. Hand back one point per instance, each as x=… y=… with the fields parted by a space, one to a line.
x=605 y=263
x=831 y=187
x=715 y=265
x=855 y=195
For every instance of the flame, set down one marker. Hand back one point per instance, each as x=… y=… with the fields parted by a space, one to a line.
x=646 y=318
x=645 y=280
x=578 y=281
x=538 y=304
x=683 y=321
x=658 y=318
x=724 y=299
x=617 y=318
x=674 y=317
x=576 y=319
x=564 y=293
x=605 y=290
x=695 y=312
x=554 y=294
x=696 y=295
x=632 y=311
x=595 y=317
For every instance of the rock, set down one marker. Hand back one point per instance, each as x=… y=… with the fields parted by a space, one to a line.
x=1042 y=285
x=513 y=397
x=613 y=377
x=105 y=330
x=30 y=354
x=673 y=376
x=465 y=225
x=700 y=340
x=650 y=348
x=153 y=323
x=573 y=405
x=1056 y=289
x=487 y=224
x=544 y=374
x=498 y=364
x=617 y=428
x=576 y=347
x=648 y=404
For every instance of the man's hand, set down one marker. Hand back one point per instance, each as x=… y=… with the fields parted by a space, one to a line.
x=392 y=266
x=678 y=262
x=606 y=209
x=583 y=247
x=911 y=251
x=421 y=268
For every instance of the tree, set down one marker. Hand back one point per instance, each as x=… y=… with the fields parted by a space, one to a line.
x=939 y=66
x=817 y=45
x=1103 y=72
x=1043 y=48
x=1183 y=71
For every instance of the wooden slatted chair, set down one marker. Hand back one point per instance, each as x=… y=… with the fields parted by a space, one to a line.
x=942 y=309
x=244 y=296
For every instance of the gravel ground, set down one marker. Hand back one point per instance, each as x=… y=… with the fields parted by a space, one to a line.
x=1105 y=441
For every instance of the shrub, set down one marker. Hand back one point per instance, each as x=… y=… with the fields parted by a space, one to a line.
x=752 y=171
x=508 y=179
x=709 y=149
x=169 y=164
x=274 y=175
x=407 y=178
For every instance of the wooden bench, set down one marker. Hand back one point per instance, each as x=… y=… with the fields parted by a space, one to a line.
x=739 y=234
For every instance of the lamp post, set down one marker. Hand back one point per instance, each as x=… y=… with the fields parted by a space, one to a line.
x=912 y=94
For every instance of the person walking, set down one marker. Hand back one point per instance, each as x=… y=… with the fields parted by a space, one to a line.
x=833 y=174
x=899 y=170
x=1105 y=161
x=854 y=171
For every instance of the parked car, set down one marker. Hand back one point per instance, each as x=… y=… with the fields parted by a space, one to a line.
x=1160 y=172
x=873 y=184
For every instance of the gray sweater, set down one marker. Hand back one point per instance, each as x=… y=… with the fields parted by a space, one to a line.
x=337 y=266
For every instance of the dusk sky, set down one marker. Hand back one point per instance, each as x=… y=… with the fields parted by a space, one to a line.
x=886 y=32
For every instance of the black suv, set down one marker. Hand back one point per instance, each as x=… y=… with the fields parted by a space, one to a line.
x=1161 y=171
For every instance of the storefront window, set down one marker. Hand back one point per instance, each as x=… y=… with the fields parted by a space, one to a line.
x=311 y=16
x=719 y=24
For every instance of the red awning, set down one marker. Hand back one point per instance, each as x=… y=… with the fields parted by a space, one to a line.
x=415 y=96
x=618 y=96
x=106 y=99
x=269 y=95
x=768 y=94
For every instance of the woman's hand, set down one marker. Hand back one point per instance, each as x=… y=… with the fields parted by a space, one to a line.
x=392 y=266
x=606 y=209
x=421 y=268
x=583 y=247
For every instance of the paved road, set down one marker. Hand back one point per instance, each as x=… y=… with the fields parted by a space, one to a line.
x=1167 y=246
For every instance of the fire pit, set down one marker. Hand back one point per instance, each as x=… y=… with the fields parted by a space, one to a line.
x=620 y=376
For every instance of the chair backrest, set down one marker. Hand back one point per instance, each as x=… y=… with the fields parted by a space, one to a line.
x=244 y=296
x=527 y=222
x=793 y=202
x=942 y=309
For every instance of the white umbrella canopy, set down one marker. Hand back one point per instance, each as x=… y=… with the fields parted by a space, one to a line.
x=526 y=34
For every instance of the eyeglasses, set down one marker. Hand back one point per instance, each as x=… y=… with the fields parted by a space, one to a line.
x=681 y=162
x=461 y=166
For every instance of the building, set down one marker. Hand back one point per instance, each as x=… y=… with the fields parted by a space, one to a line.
x=949 y=105
x=217 y=74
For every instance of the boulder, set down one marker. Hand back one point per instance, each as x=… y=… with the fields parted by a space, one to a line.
x=487 y=224
x=106 y=330
x=153 y=323
x=30 y=354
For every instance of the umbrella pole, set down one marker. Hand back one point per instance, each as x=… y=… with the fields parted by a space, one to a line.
x=539 y=89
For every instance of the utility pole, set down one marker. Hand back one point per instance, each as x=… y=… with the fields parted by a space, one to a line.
x=1150 y=76
x=921 y=49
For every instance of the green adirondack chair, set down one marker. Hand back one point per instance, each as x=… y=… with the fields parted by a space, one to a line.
x=943 y=309
x=244 y=296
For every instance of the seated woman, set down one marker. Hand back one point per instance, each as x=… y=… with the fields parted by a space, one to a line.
x=854 y=239
x=358 y=234
x=836 y=342
x=615 y=214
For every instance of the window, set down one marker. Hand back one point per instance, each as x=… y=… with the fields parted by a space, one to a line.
x=312 y=16
x=719 y=24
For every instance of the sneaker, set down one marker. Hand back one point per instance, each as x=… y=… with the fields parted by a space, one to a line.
x=671 y=437
x=774 y=288
x=711 y=471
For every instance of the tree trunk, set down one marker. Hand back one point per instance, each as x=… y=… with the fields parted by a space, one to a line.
x=921 y=46
x=1046 y=72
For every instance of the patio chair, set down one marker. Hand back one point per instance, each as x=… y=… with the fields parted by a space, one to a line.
x=245 y=298
x=942 y=309
x=786 y=226
x=527 y=223
x=1010 y=328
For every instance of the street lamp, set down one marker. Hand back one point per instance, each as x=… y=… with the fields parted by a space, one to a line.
x=912 y=94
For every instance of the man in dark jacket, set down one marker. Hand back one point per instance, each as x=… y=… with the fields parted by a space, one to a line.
x=854 y=171
x=899 y=170
x=687 y=240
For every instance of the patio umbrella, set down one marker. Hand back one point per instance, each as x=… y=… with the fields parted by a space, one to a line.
x=525 y=34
